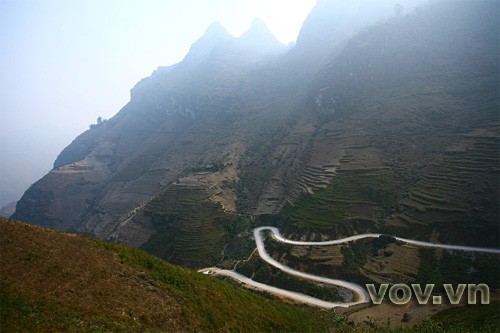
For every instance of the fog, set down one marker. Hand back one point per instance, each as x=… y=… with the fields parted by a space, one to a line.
x=66 y=62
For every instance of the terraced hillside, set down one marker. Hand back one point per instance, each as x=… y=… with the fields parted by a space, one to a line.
x=450 y=198
x=459 y=192
x=189 y=228
x=391 y=128
x=415 y=159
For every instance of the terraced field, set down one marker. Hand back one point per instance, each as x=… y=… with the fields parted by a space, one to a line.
x=189 y=227
x=458 y=193
x=358 y=196
x=393 y=264
x=447 y=192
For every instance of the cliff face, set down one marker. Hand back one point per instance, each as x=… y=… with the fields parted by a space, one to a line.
x=385 y=129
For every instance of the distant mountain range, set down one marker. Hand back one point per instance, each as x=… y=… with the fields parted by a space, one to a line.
x=363 y=125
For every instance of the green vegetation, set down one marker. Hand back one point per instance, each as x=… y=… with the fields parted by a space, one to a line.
x=25 y=315
x=458 y=193
x=354 y=257
x=373 y=193
x=262 y=272
x=429 y=271
x=344 y=263
x=213 y=165
x=210 y=301
x=99 y=122
x=407 y=125
x=471 y=318
x=240 y=245
x=189 y=229
x=458 y=267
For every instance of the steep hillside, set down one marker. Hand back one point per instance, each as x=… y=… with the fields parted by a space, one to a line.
x=178 y=120
x=391 y=128
x=8 y=209
x=410 y=107
x=52 y=281
x=414 y=99
x=227 y=97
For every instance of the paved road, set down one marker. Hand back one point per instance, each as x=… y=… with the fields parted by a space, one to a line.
x=277 y=235
x=274 y=290
x=359 y=292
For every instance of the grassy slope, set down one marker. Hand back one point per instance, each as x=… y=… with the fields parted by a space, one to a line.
x=56 y=281
x=483 y=318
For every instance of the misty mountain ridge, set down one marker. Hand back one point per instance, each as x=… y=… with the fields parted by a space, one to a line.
x=257 y=39
x=215 y=57
x=215 y=35
x=356 y=128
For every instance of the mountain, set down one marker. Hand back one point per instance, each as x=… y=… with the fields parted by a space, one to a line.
x=389 y=127
x=258 y=37
x=420 y=94
x=8 y=209
x=214 y=36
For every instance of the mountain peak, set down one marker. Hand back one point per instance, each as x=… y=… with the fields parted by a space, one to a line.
x=257 y=23
x=216 y=29
x=215 y=35
x=257 y=28
x=259 y=36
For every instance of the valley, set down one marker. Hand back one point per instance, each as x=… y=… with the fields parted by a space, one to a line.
x=365 y=153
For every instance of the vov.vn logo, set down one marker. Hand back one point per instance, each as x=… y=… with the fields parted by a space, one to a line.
x=402 y=293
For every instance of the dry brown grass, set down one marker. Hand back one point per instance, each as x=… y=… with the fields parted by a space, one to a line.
x=44 y=264
x=395 y=264
x=52 y=281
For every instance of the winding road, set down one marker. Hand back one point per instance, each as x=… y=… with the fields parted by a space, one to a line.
x=361 y=296
x=277 y=235
x=302 y=298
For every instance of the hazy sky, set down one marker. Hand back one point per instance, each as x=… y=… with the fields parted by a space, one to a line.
x=63 y=63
